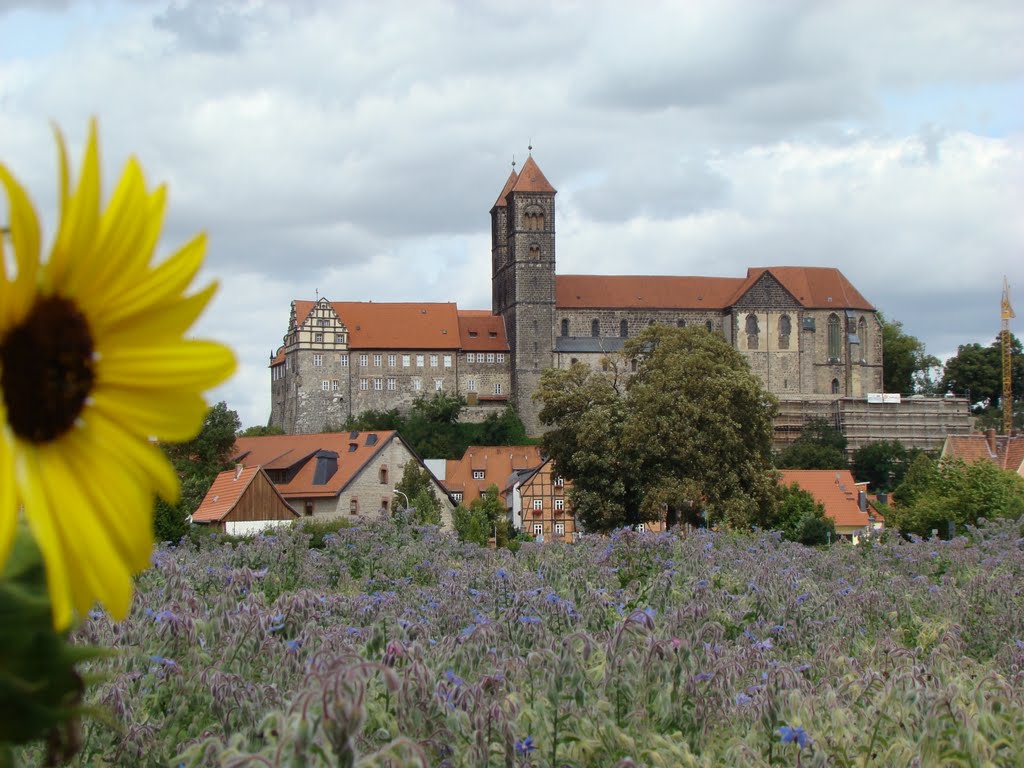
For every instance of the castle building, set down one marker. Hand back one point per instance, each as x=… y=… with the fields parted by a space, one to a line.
x=806 y=331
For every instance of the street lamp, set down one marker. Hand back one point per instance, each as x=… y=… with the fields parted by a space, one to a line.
x=395 y=490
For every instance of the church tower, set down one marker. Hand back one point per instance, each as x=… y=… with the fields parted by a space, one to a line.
x=523 y=281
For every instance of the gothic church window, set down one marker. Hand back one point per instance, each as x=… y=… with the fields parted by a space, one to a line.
x=862 y=336
x=835 y=386
x=785 y=328
x=834 y=338
x=533 y=219
x=752 y=331
x=623 y=328
x=565 y=327
x=595 y=328
x=534 y=252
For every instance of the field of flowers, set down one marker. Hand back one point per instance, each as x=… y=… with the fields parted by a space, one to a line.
x=399 y=646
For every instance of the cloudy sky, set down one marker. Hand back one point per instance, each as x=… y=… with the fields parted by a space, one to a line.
x=355 y=148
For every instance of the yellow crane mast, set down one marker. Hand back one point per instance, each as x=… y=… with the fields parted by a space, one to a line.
x=1007 y=313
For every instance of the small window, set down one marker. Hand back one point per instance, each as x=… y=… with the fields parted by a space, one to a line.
x=538 y=529
x=457 y=496
x=318 y=337
x=534 y=252
x=438 y=385
x=559 y=481
x=680 y=323
x=710 y=326
x=447 y=361
x=623 y=329
x=559 y=504
x=406 y=361
x=378 y=385
x=433 y=361
x=339 y=338
x=470 y=357
x=497 y=387
x=335 y=385
x=364 y=360
x=490 y=357
x=419 y=361
x=392 y=385
x=392 y=359
x=785 y=328
x=343 y=359
x=835 y=386
x=595 y=328
x=364 y=385
x=325 y=385
x=384 y=502
x=417 y=385
x=641 y=528
x=752 y=331
x=559 y=529
x=478 y=474
x=565 y=327
x=383 y=475
x=500 y=357
x=353 y=506
x=318 y=360
x=471 y=385
x=323 y=321
x=538 y=504
x=309 y=508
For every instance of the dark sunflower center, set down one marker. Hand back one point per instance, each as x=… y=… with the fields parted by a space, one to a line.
x=46 y=370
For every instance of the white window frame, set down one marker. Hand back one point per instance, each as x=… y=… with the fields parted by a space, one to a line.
x=538 y=505
x=497 y=388
x=478 y=474
x=490 y=357
x=471 y=385
x=501 y=357
x=392 y=384
x=343 y=360
x=364 y=360
x=377 y=361
x=325 y=385
x=392 y=361
x=406 y=361
x=335 y=385
x=559 y=505
x=378 y=385
x=559 y=481
x=457 y=496
x=538 y=529
x=318 y=338
x=433 y=361
x=417 y=385
x=419 y=361
x=447 y=361
x=438 y=385
x=641 y=528
x=364 y=385
x=318 y=360
x=470 y=357
x=559 y=529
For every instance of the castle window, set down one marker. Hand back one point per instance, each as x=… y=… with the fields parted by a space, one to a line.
x=500 y=357
x=325 y=385
x=392 y=385
x=417 y=385
x=364 y=385
x=335 y=385
x=862 y=335
x=595 y=328
x=353 y=506
x=752 y=331
x=343 y=360
x=318 y=360
x=378 y=385
x=318 y=337
x=471 y=385
x=834 y=338
x=565 y=327
x=383 y=475
x=339 y=338
x=785 y=328
x=419 y=361
x=709 y=326
x=392 y=359
x=447 y=361
x=364 y=360
x=497 y=387
x=533 y=219
x=680 y=323
x=490 y=357
x=478 y=474
x=438 y=385
x=623 y=328
x=377 y=361
x=534 y=252
x=406 y=361
x=433 y=361
x=835 y=386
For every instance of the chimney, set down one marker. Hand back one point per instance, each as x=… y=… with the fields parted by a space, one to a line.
x=238 y=470
x=990 y=438
x=862 y=501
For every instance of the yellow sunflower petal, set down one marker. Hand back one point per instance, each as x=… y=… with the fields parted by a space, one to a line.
x=140 y=457
x=73 y=255
x=60 y=259
x=159 y=286
x=188 y=364
x=170 y=415
x=173 y=322
x=8 y=496
x=25 y=238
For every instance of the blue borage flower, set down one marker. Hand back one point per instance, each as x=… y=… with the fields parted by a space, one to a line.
x=525 y=746
x=794 y=735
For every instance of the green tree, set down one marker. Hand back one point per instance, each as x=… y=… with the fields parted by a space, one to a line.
x=959 y=494
x=260 y=431
x=820 y=446
x=688 y=433
x=800 y=517
x=197 y=463
x=977 y=371
x=921 y=475
x=483 y=518
x=418 y=486
x=882 y=464
x=906 y=367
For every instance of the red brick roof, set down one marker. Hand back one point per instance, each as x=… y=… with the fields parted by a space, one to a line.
x=836 y=489
x=497 y=462
x=812 y=287
x=297 y=453
x=279 y=358
x=501 y=202
x=394 y=325
x=479 y=330
x=227 y=489
x=1005 y=452
x=531 y=179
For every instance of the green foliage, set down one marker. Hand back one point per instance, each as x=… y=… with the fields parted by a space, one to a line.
x=260 y=431
x=820 y=446
x=906 y=367
x=882 y=464
x=953 y=492
x=978 y=371
x=197 y=463
x=418 y=486
x=689 y=432
x=484 y=518
x=320 y=530
x=800 y=517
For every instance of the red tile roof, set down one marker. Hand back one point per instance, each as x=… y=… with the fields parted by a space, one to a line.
x=812 y=287
x=835 y=489
x=279 y=358
x=1008 y=452
x=296 y=454
x=497 y=463
x=501 y=202
x=479 y=330
x=531 y=179
x=227 y=489
x=394 y=325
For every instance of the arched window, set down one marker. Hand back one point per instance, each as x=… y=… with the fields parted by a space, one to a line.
x=752 y=331
x=623 y=328
x=862 y=335
x=834 y=338
x=785 y=328
x=534 y=252
x=680 y=323
x=533 y=219
x=565 y=327
x=595 y=328
x=835 y=386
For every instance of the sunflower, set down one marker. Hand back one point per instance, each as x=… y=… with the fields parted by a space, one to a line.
x=94 y=368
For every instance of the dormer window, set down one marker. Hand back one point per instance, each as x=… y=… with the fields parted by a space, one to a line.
x=478 y=474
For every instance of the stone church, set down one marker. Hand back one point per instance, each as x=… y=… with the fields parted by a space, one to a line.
x=806 y=331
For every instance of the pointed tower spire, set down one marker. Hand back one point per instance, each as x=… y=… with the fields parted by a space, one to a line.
x=531 y=179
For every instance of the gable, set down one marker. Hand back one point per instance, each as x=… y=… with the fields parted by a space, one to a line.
x=767 y=293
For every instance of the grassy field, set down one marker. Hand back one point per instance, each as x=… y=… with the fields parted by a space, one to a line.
x=399 y=647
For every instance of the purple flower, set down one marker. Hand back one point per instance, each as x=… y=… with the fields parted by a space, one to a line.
x=794 y=735
x=525 y=746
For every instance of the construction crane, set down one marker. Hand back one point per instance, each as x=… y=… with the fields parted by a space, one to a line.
x=1004 y=334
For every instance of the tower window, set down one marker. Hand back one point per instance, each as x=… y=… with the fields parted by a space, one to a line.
x=534 y=252
x=595 y=328
x=565 y=327
x=623 y=328
x=785 y=327
x=862 y=335
x=835 y=386
x=834 y=338
x=752 y=331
